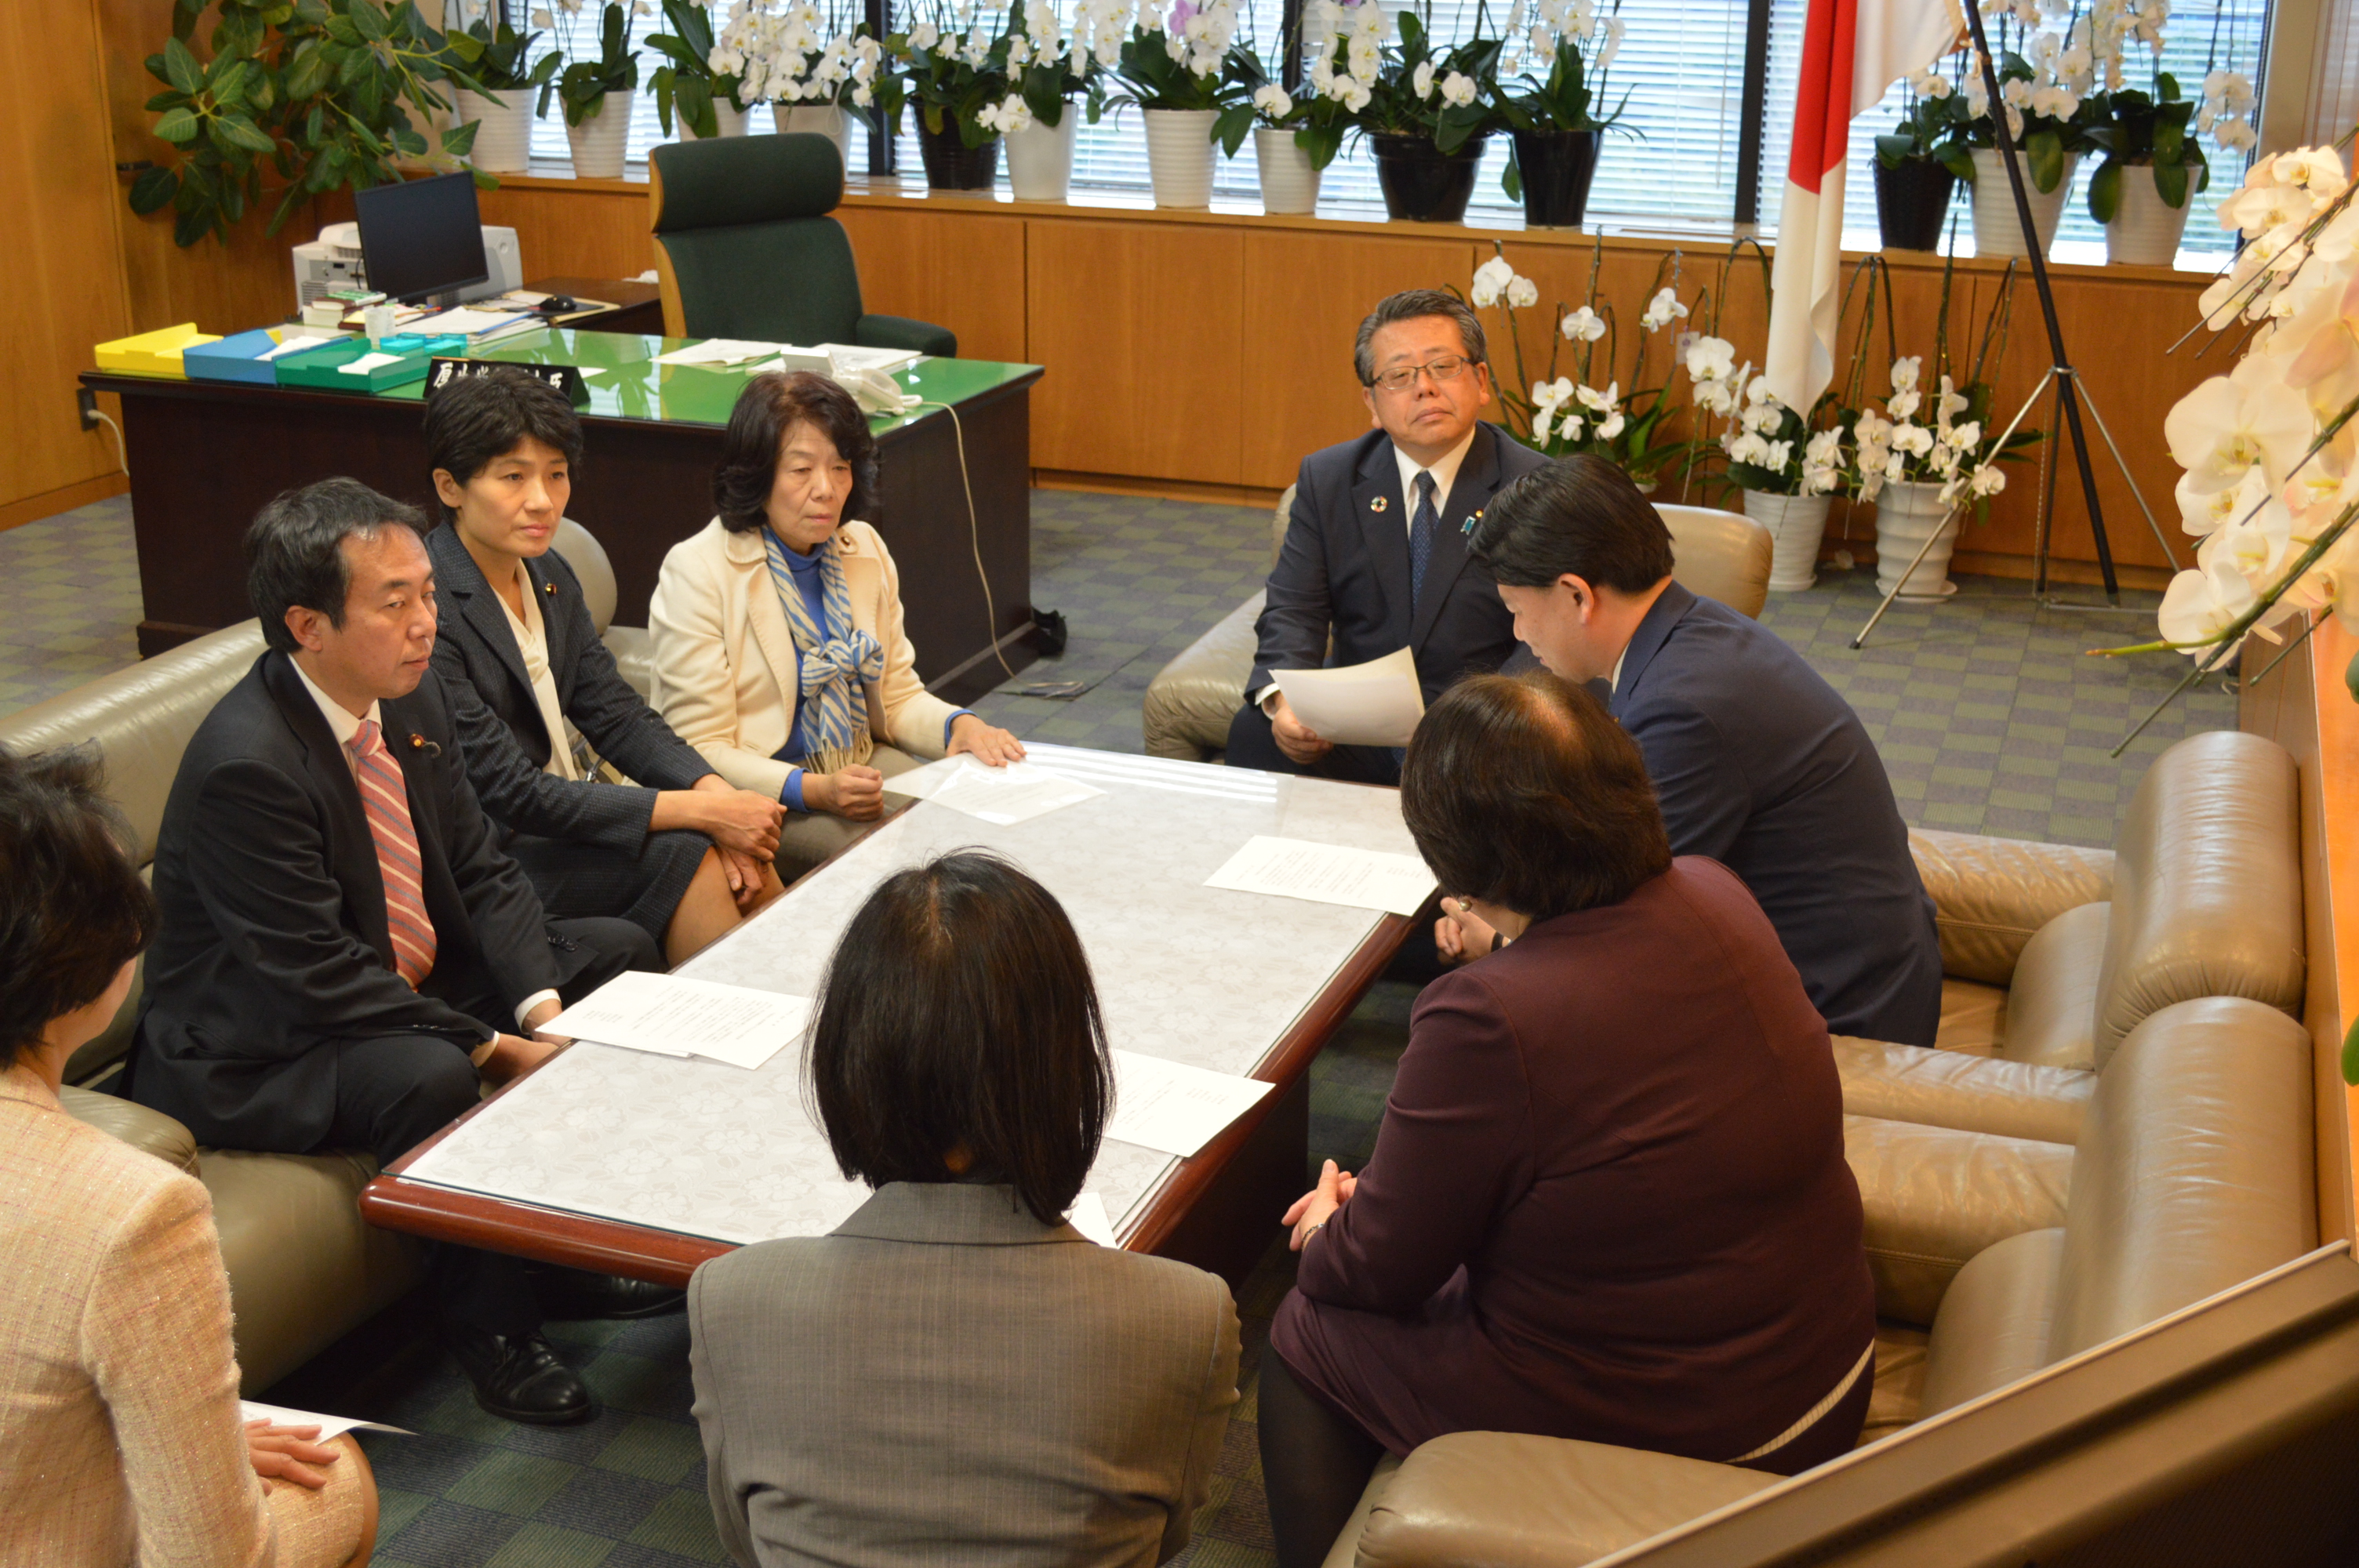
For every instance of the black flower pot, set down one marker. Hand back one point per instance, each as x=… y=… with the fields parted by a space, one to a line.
x=951 y=164
x=1421 y=183
x=1910 y=203
x=1555 y=166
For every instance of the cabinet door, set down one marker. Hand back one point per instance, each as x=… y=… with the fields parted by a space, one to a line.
x=959 y=270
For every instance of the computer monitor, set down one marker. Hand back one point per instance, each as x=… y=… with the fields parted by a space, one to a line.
x=421 y=237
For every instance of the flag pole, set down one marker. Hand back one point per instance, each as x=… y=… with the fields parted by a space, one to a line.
x=2066 y=382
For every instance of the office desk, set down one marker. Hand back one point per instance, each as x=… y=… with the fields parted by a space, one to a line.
x=206 y=455
x=646 y=1165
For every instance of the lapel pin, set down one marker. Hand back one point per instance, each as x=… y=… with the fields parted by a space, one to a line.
x=417 y=742
x=549 y=587
x=1378 y=504
x=1468 y=526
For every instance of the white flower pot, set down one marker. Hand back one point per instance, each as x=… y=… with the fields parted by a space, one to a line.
x=1797 y=525
x=1998 y=231
x=1180 y=156
x=598 y=140
x=2145 y=231
x=818 y=120
x=502 y=135
x=729 y=121
x=1905 y=515
x=1289 y=183
x=1040 y=158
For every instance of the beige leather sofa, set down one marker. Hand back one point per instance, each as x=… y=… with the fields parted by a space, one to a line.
x=1188 y=706
x=303 y=1267
x=2191 y=1176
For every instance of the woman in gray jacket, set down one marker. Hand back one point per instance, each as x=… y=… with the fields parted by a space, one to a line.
x=955 y=1374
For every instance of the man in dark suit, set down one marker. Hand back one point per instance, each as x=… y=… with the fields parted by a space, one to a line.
x=1374 y=555
x=1757 y=762
x=343 y=953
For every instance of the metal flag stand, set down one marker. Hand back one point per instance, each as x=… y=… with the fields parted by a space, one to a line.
x=2070 y=390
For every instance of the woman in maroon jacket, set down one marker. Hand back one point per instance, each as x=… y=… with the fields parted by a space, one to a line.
x=1609 y=1199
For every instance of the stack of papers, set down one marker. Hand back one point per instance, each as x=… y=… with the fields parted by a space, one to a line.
x=672 y=1015
x=719 y=352
x=1375 y=704
x=1173 y=1108
x=368 y=362
x=1017 y=792
x=1327 y=874
x=470 y=322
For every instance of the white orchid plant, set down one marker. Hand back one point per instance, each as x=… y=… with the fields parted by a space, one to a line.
x=1048 y=68
x=801 y=55
x=1553 y=72
x=1416 y=86
x=587 y=79
x=1318 y=117
x=953 y=64
x=1564 y=413
x=1177 y=56
x=1898 y=446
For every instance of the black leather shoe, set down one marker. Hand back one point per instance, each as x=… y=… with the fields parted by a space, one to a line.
x=518 y=1377
x=572 y=1295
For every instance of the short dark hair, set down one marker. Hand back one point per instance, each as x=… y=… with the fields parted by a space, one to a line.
x=1523 y=792
x=473 y=420
x=72 y=908
x=958 y=1010
x=1581 y=515
x=295 y=550
x=1409 y=305
x=773 y=403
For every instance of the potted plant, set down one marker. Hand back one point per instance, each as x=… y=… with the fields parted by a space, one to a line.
x=1295 y=139
x=815 y=65
x=1553 y=118
x=1919 y=162
x=2047 y=99
x=514 y=94
x=958 y=82
x=327 y=97
x=1050 y=74
x=1175 y=69
x=2155 y=165
x=1428 y=113
x=699 y=78
x=596 y=89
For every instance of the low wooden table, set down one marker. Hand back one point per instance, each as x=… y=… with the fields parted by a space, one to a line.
x=645 y=1165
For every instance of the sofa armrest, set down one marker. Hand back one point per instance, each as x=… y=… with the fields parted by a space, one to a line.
x=1188 y=704
x=149 y=1132
x=900 y=332
x=1933 y=1197
x=1503 y=1500
x=1973 y=1094
x=1991 y=894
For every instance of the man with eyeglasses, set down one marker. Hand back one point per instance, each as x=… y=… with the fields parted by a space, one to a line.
x=1374 y=555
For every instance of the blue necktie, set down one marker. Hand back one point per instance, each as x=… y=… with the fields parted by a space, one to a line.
x=1421 y=528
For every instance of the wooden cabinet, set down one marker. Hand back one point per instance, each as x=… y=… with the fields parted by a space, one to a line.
x=967 y=275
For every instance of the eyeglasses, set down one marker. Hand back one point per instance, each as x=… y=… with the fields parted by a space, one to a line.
x=1400 y=378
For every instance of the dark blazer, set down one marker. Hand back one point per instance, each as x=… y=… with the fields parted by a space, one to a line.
x=272 y=944
x=1344 y=568
x=499 y=722
x=1608 y=1199
x=1761 y=765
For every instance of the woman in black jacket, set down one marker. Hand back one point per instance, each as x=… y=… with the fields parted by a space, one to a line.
x=680 y=852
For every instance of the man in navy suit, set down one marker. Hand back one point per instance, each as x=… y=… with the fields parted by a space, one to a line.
x=1375 y=550
x=1757 y=760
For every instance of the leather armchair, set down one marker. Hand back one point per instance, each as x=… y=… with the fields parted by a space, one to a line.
x=1189 y=705
x=2053 y=953
x=2193 y=1174
x=303 y=1267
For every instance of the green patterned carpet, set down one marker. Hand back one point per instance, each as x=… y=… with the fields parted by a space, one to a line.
x=1988 y=718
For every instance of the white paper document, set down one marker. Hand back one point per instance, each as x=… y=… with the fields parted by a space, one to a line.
x=1005 y=795
x=718 y=351
x=1089 y=1218
x=672 y=1015
x=297 y=344
x=1172 y=1107
x=847 y=356
x=330 y=1426
x=1326 y=873
x=368 y=362
x=1375 y=704
x=468 y=321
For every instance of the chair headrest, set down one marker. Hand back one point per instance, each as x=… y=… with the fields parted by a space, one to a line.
x=729 y=180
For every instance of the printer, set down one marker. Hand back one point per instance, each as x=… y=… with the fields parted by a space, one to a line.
x=333 y=262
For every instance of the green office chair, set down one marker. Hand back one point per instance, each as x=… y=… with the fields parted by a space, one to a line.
x=744 y=248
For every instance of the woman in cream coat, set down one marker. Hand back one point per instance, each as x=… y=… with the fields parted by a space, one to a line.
x=780 y=653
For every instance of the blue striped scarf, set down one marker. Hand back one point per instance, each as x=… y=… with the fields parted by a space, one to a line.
x=833 y=671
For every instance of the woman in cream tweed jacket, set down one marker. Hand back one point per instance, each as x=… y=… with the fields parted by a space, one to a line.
x=120 y=1440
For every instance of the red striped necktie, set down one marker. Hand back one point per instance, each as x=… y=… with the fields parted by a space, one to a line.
x=387 y=805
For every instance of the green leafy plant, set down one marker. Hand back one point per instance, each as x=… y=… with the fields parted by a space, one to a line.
x=1932 y=128
x=321 y=93
x=1317 y=121
x=953 y=77
x=2149 y=131
x=499 y=61
x=1447 y=95
x=587 y=80
x=1167 y=70
x=1562 y=95
x=686 y=80
x=1049 y=69
x=2054 y=119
